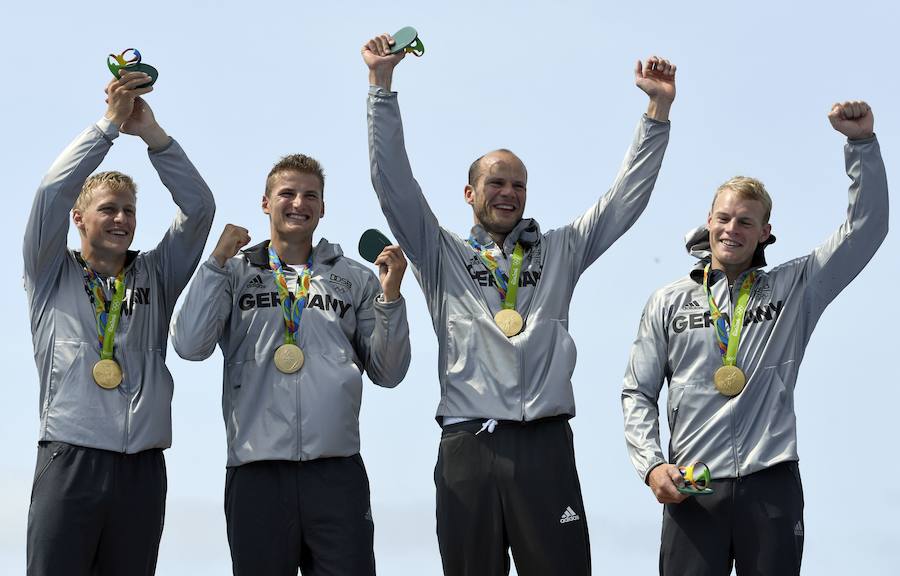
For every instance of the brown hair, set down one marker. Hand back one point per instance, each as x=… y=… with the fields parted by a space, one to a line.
x=298 y=163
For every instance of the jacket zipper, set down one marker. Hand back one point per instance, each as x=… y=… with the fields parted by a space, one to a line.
x=737 y=465
x=121 y=359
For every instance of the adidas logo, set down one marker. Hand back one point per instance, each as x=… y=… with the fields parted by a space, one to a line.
x=798 y=529
x=692 y=305
x=569 y=516
x=255 y=283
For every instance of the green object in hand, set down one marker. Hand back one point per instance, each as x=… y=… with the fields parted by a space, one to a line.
x=407 y=39
x=371 y=243
x=130 y=61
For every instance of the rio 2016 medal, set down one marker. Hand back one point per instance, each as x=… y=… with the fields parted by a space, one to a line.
x=729 y=380
x=107 y=374
x=509 y=321
x=288 y=358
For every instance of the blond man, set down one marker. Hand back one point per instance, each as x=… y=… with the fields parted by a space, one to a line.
x=99 y=319
x=729 y=338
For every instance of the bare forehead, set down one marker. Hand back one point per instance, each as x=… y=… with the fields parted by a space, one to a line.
x=295 y=180
x=503 y=163
x=106 y=193
x=733 y=202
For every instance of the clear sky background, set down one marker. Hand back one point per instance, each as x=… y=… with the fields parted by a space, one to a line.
x=242 y=84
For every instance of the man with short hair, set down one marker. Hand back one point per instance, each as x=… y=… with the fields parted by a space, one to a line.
x=99 y=322
x=729 y=339
x=505 y=475
x=297 y=325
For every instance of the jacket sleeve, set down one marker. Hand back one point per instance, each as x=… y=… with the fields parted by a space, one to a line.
x=200 y=322
x=180 y=250
x=382 y=336
x=834 y=264
x=611 y=216
x=405 y=207
x=643 y=382
x=44 y=246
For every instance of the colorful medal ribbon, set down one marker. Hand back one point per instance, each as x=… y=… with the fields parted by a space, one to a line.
x=292 y=304
x=107 y=321
x=729 y=336
x=507 y=286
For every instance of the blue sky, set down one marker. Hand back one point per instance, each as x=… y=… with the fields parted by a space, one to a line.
x=242 y=85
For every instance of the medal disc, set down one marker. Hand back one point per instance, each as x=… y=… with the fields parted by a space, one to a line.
x=509 y=321
x=729 y=380
x=107 y=374
x=288 y=358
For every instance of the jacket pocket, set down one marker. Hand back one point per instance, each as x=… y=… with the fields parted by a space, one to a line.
x=68 y=358
x=477 y=352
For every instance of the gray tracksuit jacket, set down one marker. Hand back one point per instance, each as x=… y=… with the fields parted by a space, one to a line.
x=135 y=416
x=484 y=374
x=345 y=329
x=677 y=343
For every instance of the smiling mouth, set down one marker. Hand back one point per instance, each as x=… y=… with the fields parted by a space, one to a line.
x=504 y=207
x=119 y=233
x=730 y=243
x=294 y=217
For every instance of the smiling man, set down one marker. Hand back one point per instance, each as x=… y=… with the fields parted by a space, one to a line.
x=99 y=322
x=297 y=325
x=499 y=301
x=729 y=339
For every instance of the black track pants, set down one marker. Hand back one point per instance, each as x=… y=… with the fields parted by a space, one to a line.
x=514 y=488
x=756 y=522
x=95 y=512
x=313 y=515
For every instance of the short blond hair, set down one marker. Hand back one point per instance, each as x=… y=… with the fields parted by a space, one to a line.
x=298 y=163
x=114 y=180
x=748 y=189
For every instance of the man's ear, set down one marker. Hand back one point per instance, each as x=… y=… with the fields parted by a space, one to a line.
x=78 y=220
x=766 y=232
x=469 y=194
x=265 y=204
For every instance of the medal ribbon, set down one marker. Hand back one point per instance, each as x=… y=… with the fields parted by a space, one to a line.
x=507 y=286
x=107 y=321
x=292 y=304
x=729 y=336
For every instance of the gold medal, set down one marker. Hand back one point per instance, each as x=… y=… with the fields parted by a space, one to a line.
x=288 y=358
x=509 y=321
x=107 y=374
x=729 y=380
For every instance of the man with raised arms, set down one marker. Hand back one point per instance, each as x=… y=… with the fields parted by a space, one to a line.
x=99 y=323
x=499 y=301
x=297 y=324
x=729 y=338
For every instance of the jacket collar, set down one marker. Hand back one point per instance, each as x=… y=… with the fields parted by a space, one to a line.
x=527 y=231
x=696 y=242
x=323 y=253
x=130 y=257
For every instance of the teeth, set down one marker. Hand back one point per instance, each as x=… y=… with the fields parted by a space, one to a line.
x=730 y=243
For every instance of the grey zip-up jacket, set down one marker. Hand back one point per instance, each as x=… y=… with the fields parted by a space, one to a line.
x=484 y=374
x=345 y=328
x=135 y=416
x=677 y=343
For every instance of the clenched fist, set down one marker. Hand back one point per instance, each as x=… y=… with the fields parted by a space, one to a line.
x=853 y=119
x=233 y=238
